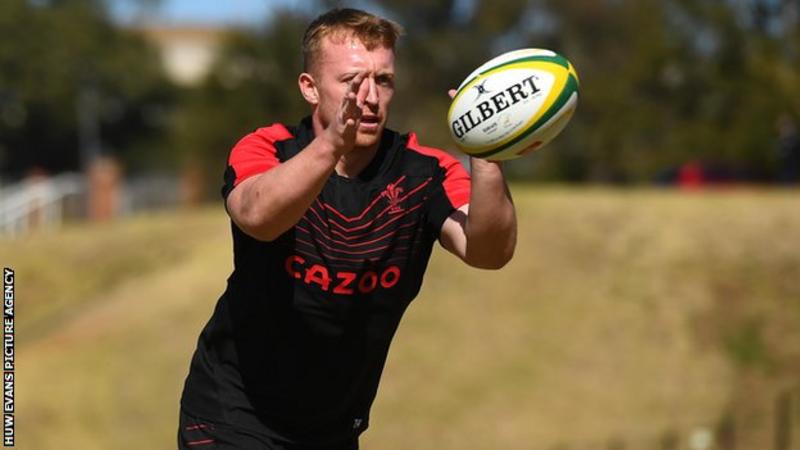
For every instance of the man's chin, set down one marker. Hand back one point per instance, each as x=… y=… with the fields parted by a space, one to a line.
x=369 y=138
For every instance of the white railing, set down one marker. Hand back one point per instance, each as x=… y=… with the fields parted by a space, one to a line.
x=44 y=202
x=38 y=202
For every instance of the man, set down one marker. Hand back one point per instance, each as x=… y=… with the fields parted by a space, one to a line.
x=333 y=223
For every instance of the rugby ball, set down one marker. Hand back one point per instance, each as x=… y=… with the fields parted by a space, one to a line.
x=513 y=104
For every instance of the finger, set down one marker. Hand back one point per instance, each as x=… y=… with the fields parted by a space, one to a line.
x=351 y=108
x=363 y=91
x=350 y=111
x=349 y=100
x=351 y=97
x=452 y=93
x=358 y=80
x=349 y=114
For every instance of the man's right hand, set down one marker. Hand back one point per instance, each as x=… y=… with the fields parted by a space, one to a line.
x=341 y=132
x=266 y=205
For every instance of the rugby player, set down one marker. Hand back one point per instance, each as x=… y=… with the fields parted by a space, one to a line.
x=333 y=221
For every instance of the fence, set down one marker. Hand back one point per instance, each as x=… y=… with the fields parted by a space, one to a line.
x=38 y=202
x=44 y=202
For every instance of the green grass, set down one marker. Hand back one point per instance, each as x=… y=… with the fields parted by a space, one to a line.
x=624 y=315
x=61 y=273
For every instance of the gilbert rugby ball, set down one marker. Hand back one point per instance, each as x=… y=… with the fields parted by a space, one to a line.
x=513 y=104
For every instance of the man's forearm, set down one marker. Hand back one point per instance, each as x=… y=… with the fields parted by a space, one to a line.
x=491 y=228
x=267 y=205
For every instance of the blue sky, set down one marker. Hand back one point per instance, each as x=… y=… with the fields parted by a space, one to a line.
x=227 y=12
x=201 y=11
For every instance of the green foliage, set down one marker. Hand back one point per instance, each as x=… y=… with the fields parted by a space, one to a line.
x=52 y=53
x=663 y=83
x=666 y=82
x=252 y=84
x=745 y=345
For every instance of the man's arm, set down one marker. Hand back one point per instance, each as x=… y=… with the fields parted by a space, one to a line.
x=483 y=233
x=266 y=205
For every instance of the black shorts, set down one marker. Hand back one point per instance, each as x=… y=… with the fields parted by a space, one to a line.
x=200 y=434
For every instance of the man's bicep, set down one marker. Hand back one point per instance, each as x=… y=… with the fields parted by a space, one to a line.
x=453 y=236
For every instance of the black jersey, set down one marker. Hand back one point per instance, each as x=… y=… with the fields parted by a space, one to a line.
x=297 y=342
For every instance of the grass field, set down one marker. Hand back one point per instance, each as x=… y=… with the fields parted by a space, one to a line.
x=625 y=315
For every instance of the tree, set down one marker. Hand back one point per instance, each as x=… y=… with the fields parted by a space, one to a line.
x=251 y=84
x=663 y=83
x=54 y=53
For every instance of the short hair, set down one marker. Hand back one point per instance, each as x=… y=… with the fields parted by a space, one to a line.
x=340 y=23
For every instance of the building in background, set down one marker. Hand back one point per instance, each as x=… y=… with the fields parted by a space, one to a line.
x=187 y=51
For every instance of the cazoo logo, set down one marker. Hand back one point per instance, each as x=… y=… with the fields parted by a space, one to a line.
x=344 y=283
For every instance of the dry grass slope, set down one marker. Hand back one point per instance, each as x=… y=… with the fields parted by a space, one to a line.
x=624 y=314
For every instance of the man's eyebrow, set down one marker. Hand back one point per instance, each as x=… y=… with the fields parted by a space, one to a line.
x=354 y=72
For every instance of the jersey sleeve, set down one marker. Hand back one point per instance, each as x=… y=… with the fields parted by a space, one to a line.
x=452 y=188
x=252 y=155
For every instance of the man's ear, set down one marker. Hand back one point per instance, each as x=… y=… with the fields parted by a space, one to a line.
x=308 y=87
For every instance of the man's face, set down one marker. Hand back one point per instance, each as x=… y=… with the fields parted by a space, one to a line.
x=339 y=61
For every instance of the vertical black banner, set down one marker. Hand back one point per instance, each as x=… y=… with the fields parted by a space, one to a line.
x=8 y=357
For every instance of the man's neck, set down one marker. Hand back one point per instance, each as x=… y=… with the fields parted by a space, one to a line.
x=353 y=163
